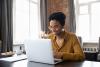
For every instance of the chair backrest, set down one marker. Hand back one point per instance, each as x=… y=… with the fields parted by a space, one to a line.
x=0 y=45
x=99 y=45
x=80 y=40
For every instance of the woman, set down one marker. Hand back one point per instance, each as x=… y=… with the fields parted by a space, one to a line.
x=65 y=44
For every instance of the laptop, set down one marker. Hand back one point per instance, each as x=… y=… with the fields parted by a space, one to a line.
x=35 y=64
x=40 y=50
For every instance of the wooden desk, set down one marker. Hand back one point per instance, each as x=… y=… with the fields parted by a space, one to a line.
x=25 y=63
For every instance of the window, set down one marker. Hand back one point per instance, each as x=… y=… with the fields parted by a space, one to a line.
x=83 y=9
x=87 y=16
x=95 y=21
x=85 y=1
x=26 y=20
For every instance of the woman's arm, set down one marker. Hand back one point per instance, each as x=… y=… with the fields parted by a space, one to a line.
x=77 y=55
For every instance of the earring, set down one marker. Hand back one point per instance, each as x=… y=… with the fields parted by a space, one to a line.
x=62 y=29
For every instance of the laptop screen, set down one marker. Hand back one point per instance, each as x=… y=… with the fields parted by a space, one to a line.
x=39 y=50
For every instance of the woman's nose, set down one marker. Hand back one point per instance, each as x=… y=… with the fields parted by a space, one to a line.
x=53 y=30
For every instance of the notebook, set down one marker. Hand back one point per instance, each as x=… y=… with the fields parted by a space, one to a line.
x=40 y=50
x=14 y=58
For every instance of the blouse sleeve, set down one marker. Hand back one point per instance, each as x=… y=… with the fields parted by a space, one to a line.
x=77 y=54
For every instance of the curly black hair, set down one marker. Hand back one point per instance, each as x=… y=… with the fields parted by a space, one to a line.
x=59 y=16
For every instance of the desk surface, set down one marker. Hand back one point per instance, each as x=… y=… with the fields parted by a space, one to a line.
x=25 y=63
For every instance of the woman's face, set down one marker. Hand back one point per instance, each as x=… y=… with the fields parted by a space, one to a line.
x=55 y=27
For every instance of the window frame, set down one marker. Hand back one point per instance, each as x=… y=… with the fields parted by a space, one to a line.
x=77 y=6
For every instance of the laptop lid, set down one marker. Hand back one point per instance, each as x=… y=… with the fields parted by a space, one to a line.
x=39 y=50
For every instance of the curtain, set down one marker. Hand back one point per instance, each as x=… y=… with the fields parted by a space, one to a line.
x=43 y=15
x=6 y=25
x=72 y=16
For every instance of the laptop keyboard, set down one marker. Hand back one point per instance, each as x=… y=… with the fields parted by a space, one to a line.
x=56 y=60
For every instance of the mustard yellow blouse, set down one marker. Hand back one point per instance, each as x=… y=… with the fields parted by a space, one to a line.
x=70 y=49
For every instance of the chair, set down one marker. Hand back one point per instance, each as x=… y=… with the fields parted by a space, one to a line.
x=98 y=56
x=80 y=40
x=0 y=48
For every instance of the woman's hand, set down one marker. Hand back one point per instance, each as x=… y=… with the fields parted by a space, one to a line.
x=57 y=55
